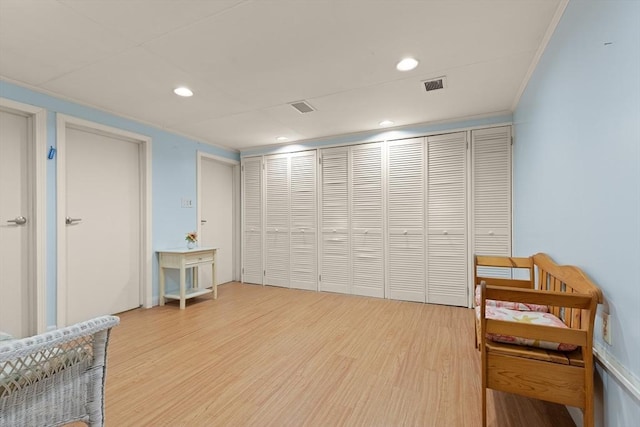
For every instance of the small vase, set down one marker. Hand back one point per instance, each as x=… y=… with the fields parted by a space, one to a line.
x=190 y=244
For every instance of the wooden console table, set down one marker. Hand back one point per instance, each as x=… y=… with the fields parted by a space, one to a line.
x=182 y=259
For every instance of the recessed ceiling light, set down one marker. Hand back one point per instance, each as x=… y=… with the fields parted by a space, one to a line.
x=385 y=123
x=183 y=91
x=407 y=64
x=282 y=138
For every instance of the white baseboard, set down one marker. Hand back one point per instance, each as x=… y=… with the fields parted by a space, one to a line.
x=617 y=370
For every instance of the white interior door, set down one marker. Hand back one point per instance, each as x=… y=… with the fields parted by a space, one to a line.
x=367 y=262
x=103 y=231
x=447 y=219
x=216 y=217
x=491 y=177
x=304 y=239
x=16 y=220
x=277 y=245
x=335 y=251
x=406 y=213
x=252 y=270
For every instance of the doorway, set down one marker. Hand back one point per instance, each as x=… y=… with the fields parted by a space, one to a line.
x=218 y=190
x=103 y=220
x=22 y=218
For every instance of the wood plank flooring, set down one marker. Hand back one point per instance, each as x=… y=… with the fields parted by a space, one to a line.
x=265 y=356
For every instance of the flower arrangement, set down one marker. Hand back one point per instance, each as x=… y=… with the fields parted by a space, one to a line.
x=191 y=237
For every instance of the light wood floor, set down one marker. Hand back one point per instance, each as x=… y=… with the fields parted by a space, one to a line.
x=265 y=356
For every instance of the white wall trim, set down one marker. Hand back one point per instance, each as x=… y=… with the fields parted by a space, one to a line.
x=541 y=48
x=37 y=164
x=146 y=292
x=236 y=204
x=617 y=370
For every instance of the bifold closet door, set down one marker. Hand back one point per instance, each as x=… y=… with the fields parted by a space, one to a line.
x=447 y=219
x=491 y=178
x=277 y=248
x=335 y=243
x=304 y=256
x=367 y=272
x=405 y=216
x=252 y=271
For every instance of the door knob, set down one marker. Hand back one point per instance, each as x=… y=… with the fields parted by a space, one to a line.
x=19 y=220
x=68 y=220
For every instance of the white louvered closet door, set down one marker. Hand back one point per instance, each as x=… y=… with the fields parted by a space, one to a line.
x=335 y=250
x=252 y=220
x=447 y=219
x=405 y=216
x=277 y=260
x=491 y=178
x=367 y=270
x=304 y=257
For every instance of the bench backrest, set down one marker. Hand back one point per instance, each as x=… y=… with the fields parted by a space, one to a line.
x=569 y=279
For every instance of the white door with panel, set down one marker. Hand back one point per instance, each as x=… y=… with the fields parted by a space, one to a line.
x=366 y=183
x=405 y=216
x=277 y=207
x=16 y=225
x=216 y=221
x=491 y=184
x=335 y=251
x=252 y=267
x=103 y=223
x=447 y=219
x=304 y=234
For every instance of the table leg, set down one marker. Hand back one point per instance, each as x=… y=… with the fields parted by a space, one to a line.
x=161 y=285
x=182 y=288
x=214 y=281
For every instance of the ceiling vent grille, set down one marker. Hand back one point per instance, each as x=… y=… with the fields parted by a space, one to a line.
x=302 y=107
x=435 y=84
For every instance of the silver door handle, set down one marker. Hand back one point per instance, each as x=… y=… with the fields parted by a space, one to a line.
x=202 y=221
x=19 y=220
x=68 y=220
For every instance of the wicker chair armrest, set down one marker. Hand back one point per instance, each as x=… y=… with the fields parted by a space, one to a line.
x=22 y=347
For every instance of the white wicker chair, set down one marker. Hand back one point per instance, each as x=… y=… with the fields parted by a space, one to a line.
x=56 y=377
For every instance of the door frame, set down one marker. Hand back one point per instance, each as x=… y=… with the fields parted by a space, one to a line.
x=146 y=254
x=235 y=165
x=36 y=155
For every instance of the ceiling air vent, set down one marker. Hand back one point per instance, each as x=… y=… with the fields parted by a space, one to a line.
x=435 y=84
x=302 y=107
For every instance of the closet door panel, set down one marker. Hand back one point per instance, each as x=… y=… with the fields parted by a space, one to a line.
x=367 y=273
x=335 y=251
x=491 y=184
x=252 y=270
x=447 y=219
x=304 y=272
x=405 y=216
x=277 y=249
x=492 y=191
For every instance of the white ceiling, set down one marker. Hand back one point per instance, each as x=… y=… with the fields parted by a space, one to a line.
x=247 y=60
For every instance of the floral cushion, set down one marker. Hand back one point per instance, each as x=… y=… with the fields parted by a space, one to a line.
x=530 y=317
x=512 y=305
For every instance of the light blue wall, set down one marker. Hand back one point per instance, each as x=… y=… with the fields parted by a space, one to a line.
x=173 y=177
x=577 y=169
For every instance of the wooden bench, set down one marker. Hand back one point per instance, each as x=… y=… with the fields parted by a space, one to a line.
x=564 y=377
